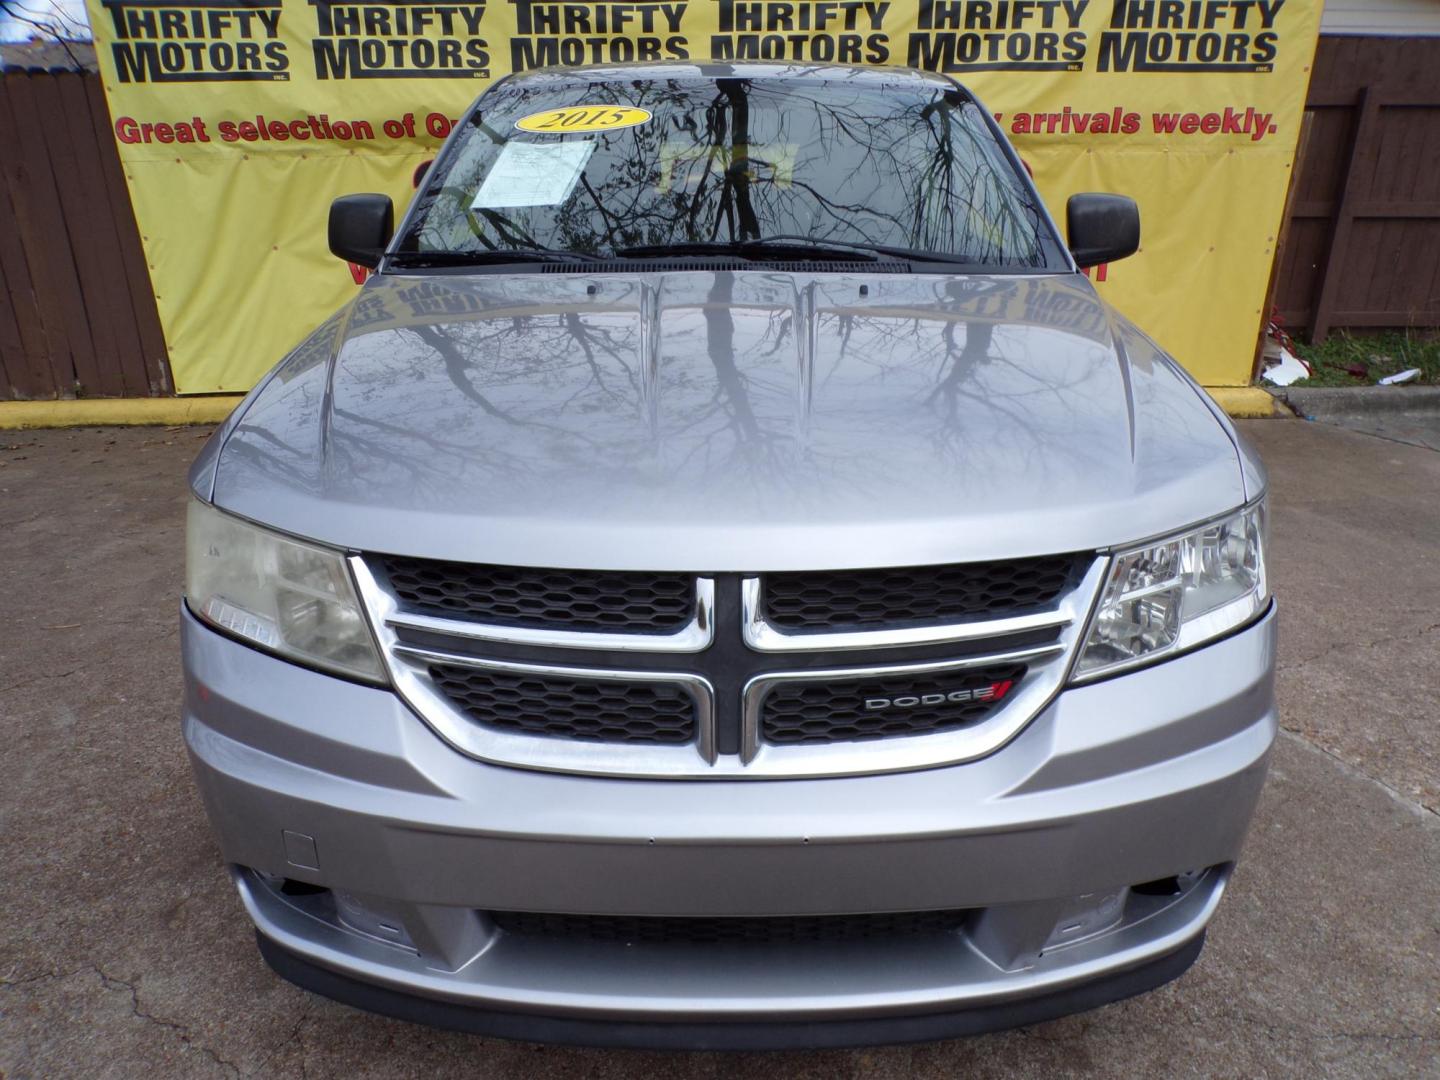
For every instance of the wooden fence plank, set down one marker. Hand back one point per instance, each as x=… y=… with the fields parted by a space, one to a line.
x=1367 y=109
x=27 y=354
x=1361 y=236
x=1398 y=99
x=136 y=270
x=12 y=349
x=77 y=312
x=37 y=219
x=102 y=374
x=1370 y=208
x=1381 y=319
x=99 y=248
x=43 y=236
x=1373 y=280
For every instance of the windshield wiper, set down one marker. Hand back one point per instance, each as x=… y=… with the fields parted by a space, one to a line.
x=791 y=246
x=482 y=256
x=779 y=247
x=884 y=249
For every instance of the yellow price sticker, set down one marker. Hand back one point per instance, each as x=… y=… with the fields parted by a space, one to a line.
x=577 y=118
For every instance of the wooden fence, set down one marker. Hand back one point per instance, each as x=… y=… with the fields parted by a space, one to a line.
x=1361 y=247
x=77 y=315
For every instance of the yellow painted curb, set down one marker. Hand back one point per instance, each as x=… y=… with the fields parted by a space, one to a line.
x=1241 y=402
x=104 y=412
x=1244 y=402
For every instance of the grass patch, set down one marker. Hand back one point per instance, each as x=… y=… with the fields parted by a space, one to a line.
x=1350 y=360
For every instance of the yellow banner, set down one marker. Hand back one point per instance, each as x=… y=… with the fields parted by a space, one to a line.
x=239 y=120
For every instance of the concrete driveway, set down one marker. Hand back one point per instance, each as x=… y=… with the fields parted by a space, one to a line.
x=125 y=952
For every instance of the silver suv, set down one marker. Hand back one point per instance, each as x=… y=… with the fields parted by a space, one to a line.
x=727 y=581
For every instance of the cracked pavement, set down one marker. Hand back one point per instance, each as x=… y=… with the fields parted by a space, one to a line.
x=126 y=951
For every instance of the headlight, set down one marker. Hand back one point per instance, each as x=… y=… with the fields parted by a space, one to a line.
x=1173 y=594
x=288 y=597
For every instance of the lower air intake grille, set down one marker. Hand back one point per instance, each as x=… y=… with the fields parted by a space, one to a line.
x=812 y=713
x=525 y=596
x=616 y=712
x=786 y=930
x=838 y=599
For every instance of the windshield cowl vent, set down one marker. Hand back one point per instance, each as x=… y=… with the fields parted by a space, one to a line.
x=671 y=266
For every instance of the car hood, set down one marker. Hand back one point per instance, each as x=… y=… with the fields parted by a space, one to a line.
x=717 y=420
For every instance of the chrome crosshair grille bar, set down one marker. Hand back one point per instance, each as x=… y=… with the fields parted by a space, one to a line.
x=696 y=660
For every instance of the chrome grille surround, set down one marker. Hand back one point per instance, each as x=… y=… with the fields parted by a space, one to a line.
x=409 y=668
x=761 y=636
x=693 y=637
x=1047 y=665
x=777 y=661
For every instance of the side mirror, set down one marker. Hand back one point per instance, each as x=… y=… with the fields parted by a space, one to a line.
x=360 y=227
x=1102 y=228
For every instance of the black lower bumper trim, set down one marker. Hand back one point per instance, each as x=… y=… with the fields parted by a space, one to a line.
x=729 y=1034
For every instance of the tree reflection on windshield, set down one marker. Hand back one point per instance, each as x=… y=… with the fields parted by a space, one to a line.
x=731 y=160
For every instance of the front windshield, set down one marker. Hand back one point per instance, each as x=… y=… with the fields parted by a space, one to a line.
x=603 y=167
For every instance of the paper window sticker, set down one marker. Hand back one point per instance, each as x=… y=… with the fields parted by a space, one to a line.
x=533 y=174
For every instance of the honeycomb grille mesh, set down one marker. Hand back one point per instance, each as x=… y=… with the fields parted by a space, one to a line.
x=525 y=596
x=786 y=930
x=795 y=714
x=819 y=600
x=594 y=711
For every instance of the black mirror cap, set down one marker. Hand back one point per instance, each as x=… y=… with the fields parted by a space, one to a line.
x=360 y=227
x=1102 y=228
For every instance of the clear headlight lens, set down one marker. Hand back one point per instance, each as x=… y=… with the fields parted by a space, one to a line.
x=290 y=598
x=1174 y=594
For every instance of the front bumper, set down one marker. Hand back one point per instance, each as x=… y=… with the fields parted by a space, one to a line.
x=1138 y=778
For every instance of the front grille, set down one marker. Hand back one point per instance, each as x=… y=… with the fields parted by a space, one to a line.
x=618 y=601
x=567 y=708
x=832 y=600
x=770 y=930
x=809 y=713
x=673 y=674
